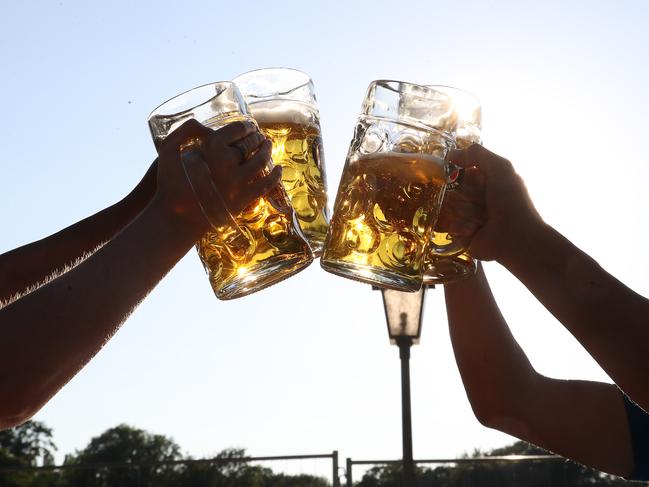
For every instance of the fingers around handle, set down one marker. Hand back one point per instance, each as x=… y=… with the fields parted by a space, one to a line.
x=476 y=155
x=235 y=131
x=257 y=164
x=189 y=130
x=207 y=195
x=249 y=144
x=262 y=186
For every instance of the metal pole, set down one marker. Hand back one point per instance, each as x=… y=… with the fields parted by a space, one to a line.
x=335 y=480
x=404 y=344
x=348 y=473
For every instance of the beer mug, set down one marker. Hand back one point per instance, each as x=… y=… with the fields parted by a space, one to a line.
x=392 y=186
x=283 y=103
x=261 y=245
x=446 y=259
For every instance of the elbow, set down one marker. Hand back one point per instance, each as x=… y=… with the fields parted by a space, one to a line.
x=490 y=411
x=504 y=408
x=16 y=411
x=504 y=419
x=9 y=421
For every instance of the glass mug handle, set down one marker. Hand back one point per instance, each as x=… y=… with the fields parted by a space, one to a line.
x=200 y=181
x=443 y=244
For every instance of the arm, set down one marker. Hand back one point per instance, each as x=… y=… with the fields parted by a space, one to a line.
x=608 y=318
x=33 y=264
x=581 y=420
x=49 y=334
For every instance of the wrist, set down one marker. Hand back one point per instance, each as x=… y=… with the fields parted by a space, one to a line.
x=523 y=239
x=185 y=221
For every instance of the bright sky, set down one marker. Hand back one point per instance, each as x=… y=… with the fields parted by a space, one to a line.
x=306 y=366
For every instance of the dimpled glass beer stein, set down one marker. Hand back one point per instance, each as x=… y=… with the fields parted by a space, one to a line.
x=261 y=245
x=392 y=186
x=283 y=103
x=447 y=259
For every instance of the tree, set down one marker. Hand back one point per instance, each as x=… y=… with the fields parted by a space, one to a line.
x=124 y=445
x=556 y=473
x=237 y=472
x=27 y=445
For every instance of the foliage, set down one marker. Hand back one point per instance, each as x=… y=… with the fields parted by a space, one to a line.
x=124 y=456
x=237 y=472
x=529 y=473
x=124 y=445
x=27 y=445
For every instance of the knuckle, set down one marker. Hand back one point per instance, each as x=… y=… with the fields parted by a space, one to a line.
x=238 y=125
x=506 y=164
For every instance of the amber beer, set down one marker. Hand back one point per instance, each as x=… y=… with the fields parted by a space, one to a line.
x=294 y=129
x=383 y=214
x=264 y=230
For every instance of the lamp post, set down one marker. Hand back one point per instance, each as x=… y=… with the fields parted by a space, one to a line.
x=404 y=313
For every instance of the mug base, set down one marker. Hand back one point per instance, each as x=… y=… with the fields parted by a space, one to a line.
x=262 y=276
x=371 y=275
x=448 y=269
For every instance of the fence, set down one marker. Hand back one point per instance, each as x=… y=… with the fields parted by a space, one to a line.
x=539 y=470
x=509 y=470
x=137 y=466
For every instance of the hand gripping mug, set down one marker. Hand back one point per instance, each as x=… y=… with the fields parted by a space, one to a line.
x=261 y=245
x=392 y=186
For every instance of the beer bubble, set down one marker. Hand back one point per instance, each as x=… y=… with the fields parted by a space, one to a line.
x=351 y=204
x=369 y=182
x=213 y=264
x=254 y=212
x=360 y=236
x=441 y=239
x=420 y=222
x=379 y=218
x=290 y=176
x=399 y=250
x=240 y=243
x=313 y=176
x=276 y=230
x=413 y=191
x=317 y=150
x=297 y=149
x=306 y=206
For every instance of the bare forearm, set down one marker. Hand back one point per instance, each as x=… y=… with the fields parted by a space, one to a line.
x=507 y=394
x=607 y=317
x=492 y=364
x=48 y=335
x=33 y=264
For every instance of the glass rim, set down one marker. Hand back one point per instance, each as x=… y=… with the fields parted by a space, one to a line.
x=157 y=111
x=306 y=79
x=387 y=83
x=460 y=90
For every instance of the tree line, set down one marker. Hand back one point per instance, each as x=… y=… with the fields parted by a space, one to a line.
x=138 y=458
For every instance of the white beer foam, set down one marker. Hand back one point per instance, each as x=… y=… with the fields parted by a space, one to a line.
x=273 y=111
